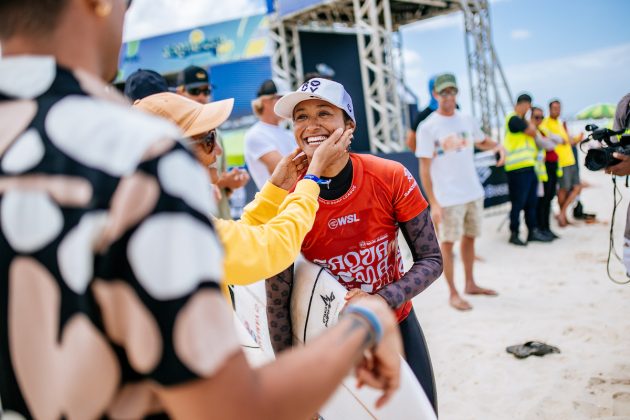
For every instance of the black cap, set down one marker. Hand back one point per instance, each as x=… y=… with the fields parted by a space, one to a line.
x=143 y=83
x=193 y=76
x=268 y=87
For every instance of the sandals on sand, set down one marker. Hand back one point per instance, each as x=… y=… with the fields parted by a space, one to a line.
x=531 y=348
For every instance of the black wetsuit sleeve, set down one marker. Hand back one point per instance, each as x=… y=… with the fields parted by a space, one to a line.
x=278 y=290
x=427 y=261
x=517 y=124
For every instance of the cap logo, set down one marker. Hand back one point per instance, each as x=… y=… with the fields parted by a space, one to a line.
x=313 y=85
x=200 y=75
x=349 y=108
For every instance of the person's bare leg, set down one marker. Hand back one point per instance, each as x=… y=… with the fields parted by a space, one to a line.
x=562 y=198
x=567 y=202
x=455 y=300
x=468 y=259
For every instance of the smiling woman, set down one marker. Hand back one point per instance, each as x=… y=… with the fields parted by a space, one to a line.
x=355 y=234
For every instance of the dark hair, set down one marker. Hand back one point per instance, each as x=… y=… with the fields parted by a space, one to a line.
x=312 y=75
x=554 y=101
x=523 y=97
x=35 y=17
x=537 y=108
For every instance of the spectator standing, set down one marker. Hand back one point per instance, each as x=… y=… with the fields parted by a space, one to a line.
x=520 y=160
x=422 y=115
x=569 y=183
x=446 y=142
x=547 y=143
x=194 y=83
x=266 y=142
x=143 y=83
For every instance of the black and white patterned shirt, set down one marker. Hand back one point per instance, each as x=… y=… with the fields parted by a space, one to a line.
x=109 y=265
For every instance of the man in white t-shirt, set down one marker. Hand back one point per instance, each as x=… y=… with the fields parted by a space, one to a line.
x=266 y=142
x=445 y=146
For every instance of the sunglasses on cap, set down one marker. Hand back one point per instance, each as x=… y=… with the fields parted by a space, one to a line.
x=196 y=91
x=208 y=141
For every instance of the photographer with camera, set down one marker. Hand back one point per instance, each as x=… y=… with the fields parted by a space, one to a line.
x=614 y=158
x=621 y=122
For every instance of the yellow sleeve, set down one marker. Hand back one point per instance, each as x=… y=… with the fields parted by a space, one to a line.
x=253 y=253
x=264 y=206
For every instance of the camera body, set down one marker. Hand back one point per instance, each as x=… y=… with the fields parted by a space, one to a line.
x=597 y=159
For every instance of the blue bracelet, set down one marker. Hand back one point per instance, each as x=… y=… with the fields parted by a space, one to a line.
x=370 y=317
x=317 y=180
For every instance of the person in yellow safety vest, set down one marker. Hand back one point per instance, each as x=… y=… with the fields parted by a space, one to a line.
x=520 y=161
x=549 y=172
x=569 y=186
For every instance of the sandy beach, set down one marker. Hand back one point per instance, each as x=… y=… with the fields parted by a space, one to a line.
x=557 y=293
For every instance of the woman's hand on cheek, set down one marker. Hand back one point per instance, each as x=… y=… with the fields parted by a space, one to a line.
x=289 y=169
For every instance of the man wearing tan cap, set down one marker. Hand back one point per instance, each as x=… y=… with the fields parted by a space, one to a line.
x=110 y=270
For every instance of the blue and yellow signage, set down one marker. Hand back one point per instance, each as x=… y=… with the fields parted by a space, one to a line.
x=218 y=43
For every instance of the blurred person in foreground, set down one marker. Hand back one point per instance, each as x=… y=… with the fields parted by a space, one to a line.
x=194 y=83
x=267 y=141
x=520 y=161
x=445 y=147
x=364 y=201
x=109 y=267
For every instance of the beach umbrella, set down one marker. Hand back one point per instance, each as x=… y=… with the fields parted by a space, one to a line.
x=596 y=112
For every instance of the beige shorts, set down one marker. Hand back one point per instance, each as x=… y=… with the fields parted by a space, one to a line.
x=461 y=220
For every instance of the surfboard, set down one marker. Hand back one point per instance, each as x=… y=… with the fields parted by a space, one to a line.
x=316 y=301
x=253 y=352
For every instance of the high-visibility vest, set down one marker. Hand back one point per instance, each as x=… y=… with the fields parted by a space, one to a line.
x=540 y=168
x=520 y=148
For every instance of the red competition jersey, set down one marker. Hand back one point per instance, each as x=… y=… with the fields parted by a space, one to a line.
x=356 y=236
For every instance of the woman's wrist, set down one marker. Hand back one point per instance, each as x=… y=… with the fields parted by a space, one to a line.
x=316 y=179
x=370 y=317
x=314 y=169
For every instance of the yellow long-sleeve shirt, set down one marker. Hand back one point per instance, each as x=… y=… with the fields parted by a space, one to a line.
x=269 y=235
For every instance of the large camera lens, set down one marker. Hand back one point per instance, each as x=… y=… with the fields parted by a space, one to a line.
x=597 y=159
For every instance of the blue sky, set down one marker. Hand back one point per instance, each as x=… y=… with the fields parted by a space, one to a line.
x=577 y=50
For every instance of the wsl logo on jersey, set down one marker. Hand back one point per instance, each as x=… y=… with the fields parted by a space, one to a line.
x=343 y=220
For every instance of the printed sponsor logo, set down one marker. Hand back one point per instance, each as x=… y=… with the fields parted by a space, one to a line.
x=369 y=268
x=343 y=220
x=328 y=300
x=311 y=85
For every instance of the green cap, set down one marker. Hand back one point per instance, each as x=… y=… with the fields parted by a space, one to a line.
x=445 y=80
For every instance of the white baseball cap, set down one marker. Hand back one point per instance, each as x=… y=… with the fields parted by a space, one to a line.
x=316 y=88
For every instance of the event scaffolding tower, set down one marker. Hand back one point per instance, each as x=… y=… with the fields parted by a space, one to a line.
x=376 y=24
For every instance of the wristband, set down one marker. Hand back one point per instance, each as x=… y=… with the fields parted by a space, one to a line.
x=317 y=180
x=370 y=317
